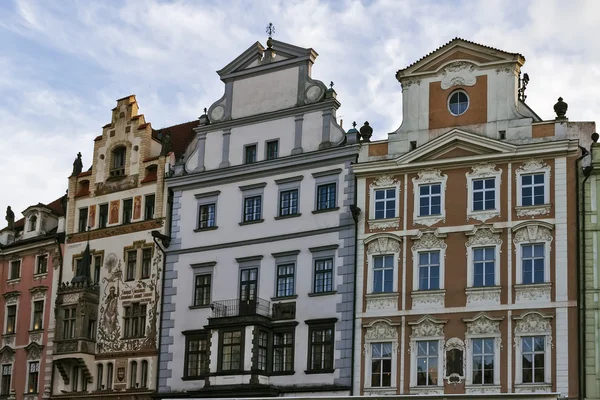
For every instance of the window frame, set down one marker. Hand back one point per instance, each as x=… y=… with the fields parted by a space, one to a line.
x=203 y=286
x=429 y=177
x=533 y=167
x=288 y=211
x=290 y=347
x=11 y=316
x=206 y=199
x=110 y=371
x=38 y=259
x=381 y=359
x=457 y=93
x=127 y=213
x=202 y=366
x=478 y=172
x=134 y=323
x=149 y=206
x=323 y=253
x=32 y=223
x=393 y=268
x=471 y=264
x=317 y=326
x=144 y=374
x=325 y=272
x=4 y=391
x=102 y=222
x=208 y=223
x=325 y=178
x=247 y=147
x=131 y=266
x=329 y=203
x=99 y=376
x=268 y=155
x=522 y=260
x=69 y=328
x=547 y=242
x=35 y=313
x=220 y=357
x=252 y=191
x=133 y=366
x=82 y=219
x=12 y=264
x=533 y=323
x=256 y=216
x=385 y=200
x=493 y=334
x=33 y=377
x=146 y=269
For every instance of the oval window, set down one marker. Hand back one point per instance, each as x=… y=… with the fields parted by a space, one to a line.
x=458 y=103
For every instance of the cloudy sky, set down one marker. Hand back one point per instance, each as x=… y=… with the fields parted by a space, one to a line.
x=64 y=63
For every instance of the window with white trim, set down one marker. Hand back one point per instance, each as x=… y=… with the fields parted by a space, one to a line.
x=483 y=192
x=385 y=203
x=532 y=263
x=427 y=362
x=6 y=377
x=384 y=198
x=483 y=361
x=383 y=274
x=484 y=266
x=483 y=350
x=458 y=102
x=429 y=270
x=33 y=377
x=381 y=364
x=533 y=349
x=533 y=353
x=429 y=189
x=381 y=357
x=430 y=199
x=533 y=190
x=533 y=243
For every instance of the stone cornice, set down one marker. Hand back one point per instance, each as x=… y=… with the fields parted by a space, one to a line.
x=115 y=231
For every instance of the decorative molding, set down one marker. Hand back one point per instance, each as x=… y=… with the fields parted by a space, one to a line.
x=532 y=232
x=454 y=344
x=427 y=326
x=71 y=298
x=429 y=176
x=8 y=340
x=533 y=388
x=34 y=351
x=485 y=295
x=537 y=293
x=483 y=235
x=382 y=244
x=428 y=299
x=532 y=166
x=427 y=390
x=428 y=240
x=384 y=181
x=7 y=355
x=38 y=292
x=406 y=83
x=384 y=223
x=533 y=211
x=380 y=302
x=483 y=324
x=381 y=330
x=12 y=297
x=533 y=322
x=482 y=171
x=115 y=231
x=482 y=389
x=35 y=337
x=458 y=73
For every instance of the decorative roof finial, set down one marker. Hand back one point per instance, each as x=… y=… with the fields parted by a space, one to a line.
x=523 y=86
x=205 y=110
x=354 y=124
x=331 y=85
x=560 y=108
x=270 y=32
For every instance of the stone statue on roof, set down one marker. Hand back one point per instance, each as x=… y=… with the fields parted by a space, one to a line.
x=77 y=165
x=166 y=144
x=10 y=218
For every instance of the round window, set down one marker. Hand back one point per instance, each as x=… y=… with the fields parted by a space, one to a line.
x=458 y=103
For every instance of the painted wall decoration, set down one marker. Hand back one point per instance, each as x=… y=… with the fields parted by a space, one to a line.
x=113 y=216
x=137 y=207
x=92 y=216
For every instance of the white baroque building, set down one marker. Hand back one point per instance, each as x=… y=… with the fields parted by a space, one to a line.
x=259 y=276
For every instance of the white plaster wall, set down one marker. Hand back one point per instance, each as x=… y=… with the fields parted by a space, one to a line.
x=265 y=93
x=311 y=131
x=282 y=129
x=213 y=152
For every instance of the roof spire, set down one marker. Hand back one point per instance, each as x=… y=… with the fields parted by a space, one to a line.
x=270 y=31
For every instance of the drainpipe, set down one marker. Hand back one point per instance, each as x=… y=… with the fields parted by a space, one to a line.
x=580 y=223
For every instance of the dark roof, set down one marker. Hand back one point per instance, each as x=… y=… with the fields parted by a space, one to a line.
x=151 y=176
x=33 y=239
x=181 y=136
x=462 y=40
x=55 y=206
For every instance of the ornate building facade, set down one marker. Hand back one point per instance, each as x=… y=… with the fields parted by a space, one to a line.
x=30 y=257
x=109 y=294
x=259 y=281
x=467 y=273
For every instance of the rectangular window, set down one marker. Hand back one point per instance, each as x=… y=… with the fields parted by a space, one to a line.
x=483 y=361
x=283 y=351
x=131 y=265
x=252 y=208
x=97 y=268
x=250 y=154
x=427 y=363
x=206 y=216
x=321 y=349
x=75 y=379
x=326 y=196
x=83 y=219
x=146 y=263
x=6 y=375
x=103 y=216
x=15 y=269
x=109 y=376
x=484 y=194
x=381 y=365
x=262 y=350
x=91 y=331
x=196 y=356
x=484 y=266
x=383 y=274
x=272 y=149
x=127 y=211
x=202 y=290
x=429 y=270
x=11 y=319
x=532 y=258
x=149 y=206
x=323 y=276
x=32 y=380
x=42 y=265
x=532 y=190
x=231 y=351
x=285 y=280
x=38 y=315
x=385 y=203
x=430 y=199
x=69 y=323
x=533 y=351
x=135 y=320
x=288 y=202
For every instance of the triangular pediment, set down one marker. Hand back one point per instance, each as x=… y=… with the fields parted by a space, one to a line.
x=463 y=50
x=254 y=57
x=456 y=144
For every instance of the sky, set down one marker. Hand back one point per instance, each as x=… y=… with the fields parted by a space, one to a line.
x=63 y=64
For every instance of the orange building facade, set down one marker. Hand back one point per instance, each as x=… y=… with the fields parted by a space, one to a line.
x=467 y=263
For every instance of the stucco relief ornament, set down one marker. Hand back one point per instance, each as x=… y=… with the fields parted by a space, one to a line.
x=7 y=357
x=71 y=298
x=532 y=323
x=428 y=240
x=35 y=337
x=384 y=180
x=12 y=297
x=483 y=325
x=381 y=330
x=383 y=303
x=383 y=245
x=483 y=235
x=428 y=328
x=534 y=293
x=533 y=233
x=478 y=296
x=534 y=165
x=34 y=353
x=458 y=73
x=38 y=292
x=406 y=83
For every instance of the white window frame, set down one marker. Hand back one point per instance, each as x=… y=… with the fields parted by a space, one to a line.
x=380 y=331
x=533 y=323
x=394 y=269
x=12 y=301
x=429 y=177
x=483 y=327
x=204 y=199
x=483 y=171
x=384 y=182
x=426 y=242
x=418 y=269
x=206 y=268
x=427 y=329
x=37 y=259
x=285 y=258
x=385 y=201
x=10 y=278
x=468 y=102
x=32 y=321
x=29 y=362
x=389 y=246
x=533 y=167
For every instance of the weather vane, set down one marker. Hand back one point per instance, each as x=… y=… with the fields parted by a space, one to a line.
x=270 y=29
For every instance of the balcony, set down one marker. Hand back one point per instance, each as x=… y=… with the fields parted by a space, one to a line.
x=240 y=308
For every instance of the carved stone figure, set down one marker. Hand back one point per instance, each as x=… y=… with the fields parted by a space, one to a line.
x=111 y=315
x=77 y=165
x=10 y=218
x=166 y=144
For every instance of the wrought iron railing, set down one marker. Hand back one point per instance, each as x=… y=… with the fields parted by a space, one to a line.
x=240 y=308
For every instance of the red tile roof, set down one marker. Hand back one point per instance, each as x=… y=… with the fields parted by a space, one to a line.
x=98 y=138
x=181 y=136
x=151 y=159
x=151 y=177
x=85 y=173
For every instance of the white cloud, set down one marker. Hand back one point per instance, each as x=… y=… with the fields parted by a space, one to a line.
x=74 y=59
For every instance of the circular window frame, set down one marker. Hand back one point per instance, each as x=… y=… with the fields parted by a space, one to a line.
x=450 y=97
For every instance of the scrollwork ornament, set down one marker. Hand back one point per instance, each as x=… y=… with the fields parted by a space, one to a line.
x=427 y=328
x=381 y=330
x=533 y=323
x=428 y=240
x=383 y=245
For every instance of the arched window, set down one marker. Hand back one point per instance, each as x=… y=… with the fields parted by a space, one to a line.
x=458 y=102
x=133 y=376
x=144 y=375
x=32 y=223
x=99 y=376
x=109 y=375
x=118 y=161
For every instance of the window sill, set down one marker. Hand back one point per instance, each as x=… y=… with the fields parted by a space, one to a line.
x=322 y=294
x=320 y=371
x=384 y=223
x=482 y=389
x=13 y=281
x=210 y=228
x=482 y=215
x=257 y=221
x=288 y=216
x=382 y=301
x=533 y=292
x=425 y=299
x=483 y=295
x=533 y=211
x=40 y=276
x=324 y=210
x=193 y=378
x=199 y=307
x=533 y=387
x=429 y=220
x=293 y=297
x=426 y=390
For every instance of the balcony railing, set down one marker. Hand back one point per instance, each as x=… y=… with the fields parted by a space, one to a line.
x=240 y=308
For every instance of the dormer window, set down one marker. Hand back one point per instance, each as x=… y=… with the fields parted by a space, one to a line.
x=118 y=161
x=32 y=223
x=458 y=102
